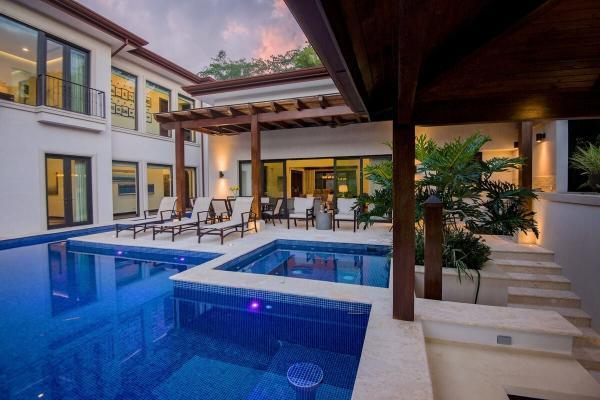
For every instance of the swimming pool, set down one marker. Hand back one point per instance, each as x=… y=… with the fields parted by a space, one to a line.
x=357 y=264
x=82 y=321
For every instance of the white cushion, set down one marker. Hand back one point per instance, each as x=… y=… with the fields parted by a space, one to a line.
x=302 y=204
x=298 y=215
x=344 y=206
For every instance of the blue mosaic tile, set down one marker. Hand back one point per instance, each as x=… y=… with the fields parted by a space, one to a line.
x=52 y=237
x=350 y=263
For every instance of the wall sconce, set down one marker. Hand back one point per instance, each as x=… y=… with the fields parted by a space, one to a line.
x=516 y=145
x=540 y=137
x=221 y=174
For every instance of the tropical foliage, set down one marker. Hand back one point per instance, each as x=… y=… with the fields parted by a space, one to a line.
x=222 y=67
x=472 y=200
x=587 y=160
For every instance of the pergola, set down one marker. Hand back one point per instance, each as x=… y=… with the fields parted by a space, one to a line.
x=440 y=62
x=327 y=110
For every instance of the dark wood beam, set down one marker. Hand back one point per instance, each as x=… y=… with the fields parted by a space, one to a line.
x=255 y=160
x=233 y=112
x=519 y=107
x=180 y=186
x=403 y=203
x=300 y=105
x=276 y=107
x=433 y=249
x=494 y=22
x=323 y=102
x=526 y=151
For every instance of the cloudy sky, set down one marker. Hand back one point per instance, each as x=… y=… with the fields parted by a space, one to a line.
x=190 y=32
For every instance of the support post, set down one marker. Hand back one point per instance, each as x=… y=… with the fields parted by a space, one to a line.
x=526 y=151
x=433 y=248
x=180 y=185
x=255 y=157
x=403 y=203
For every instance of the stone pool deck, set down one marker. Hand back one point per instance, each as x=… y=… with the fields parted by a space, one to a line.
x=451 y=347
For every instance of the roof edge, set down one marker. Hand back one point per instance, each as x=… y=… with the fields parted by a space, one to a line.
x=279 y=78
x=159 y=60
x=91 y=17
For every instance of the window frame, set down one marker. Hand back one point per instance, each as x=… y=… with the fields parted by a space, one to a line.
x=137 y=183
x=170 y=92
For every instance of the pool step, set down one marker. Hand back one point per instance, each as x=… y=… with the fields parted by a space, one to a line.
x=589 y=357
x=536 y=254
x=589 y=338
x=576 y=316
x=530 y=267
x=543 y=297
x=539 y=281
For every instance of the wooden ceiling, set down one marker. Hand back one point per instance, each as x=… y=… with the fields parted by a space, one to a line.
x=456 y=61
x=305 y=112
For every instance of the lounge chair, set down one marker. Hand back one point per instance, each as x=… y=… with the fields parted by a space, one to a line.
x=166 y=210
x=240 y=220
x=200 y=214
x=275 y=212
x=304 y=209
x=345 y=211
x=220 y=208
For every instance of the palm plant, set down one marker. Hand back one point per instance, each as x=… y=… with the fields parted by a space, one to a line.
x=588 y=161
x=470 y=197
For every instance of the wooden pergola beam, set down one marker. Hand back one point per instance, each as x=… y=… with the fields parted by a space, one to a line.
x=255 y=161
x=220 y=120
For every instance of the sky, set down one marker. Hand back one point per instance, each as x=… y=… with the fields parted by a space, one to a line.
x=190 y=32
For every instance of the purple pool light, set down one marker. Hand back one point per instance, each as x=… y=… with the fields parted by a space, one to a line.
x=181 y=258
x=119 y=252
x=254 y=305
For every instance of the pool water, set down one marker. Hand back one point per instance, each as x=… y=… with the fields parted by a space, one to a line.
x=356 y=264
x=86 y=321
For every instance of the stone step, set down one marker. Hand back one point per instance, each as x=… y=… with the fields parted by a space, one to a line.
x=530 y=267
x=543 y=297
x=590 y=338
x=576 y=316
x=539 y=281
x=536 y=254
x=589 y=357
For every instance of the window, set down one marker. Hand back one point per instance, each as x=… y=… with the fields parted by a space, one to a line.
x=60 y=78
x=123 y=99
x=124 y=189
x=18 y=62
x=582 y=133
x=159 y=184
x=190 y=185
x=185 y=103
x=157 y=101
x=68 y=191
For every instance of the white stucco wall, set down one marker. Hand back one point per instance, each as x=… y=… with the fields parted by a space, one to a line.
x=224 y=152
x=26 y=140
x=570 y=230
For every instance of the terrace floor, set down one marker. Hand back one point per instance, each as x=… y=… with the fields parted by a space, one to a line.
x=449 y=352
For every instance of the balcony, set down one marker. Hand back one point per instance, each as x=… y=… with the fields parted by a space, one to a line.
x=70 y=96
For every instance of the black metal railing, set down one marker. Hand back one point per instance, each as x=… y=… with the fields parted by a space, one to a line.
x=71 y=96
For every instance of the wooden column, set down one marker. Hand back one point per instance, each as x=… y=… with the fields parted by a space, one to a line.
x=255 y=157
x=433 y=248
x=180 y=186
x=526 y=151
x=403 y=263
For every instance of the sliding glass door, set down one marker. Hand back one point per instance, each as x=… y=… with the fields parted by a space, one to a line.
x=68 y=191
x=273 y=179
x=347 y=177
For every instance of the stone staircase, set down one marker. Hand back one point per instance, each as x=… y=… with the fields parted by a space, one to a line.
x=538 y=283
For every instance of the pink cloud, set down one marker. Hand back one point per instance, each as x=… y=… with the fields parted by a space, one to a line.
x=234 y=28
x=277 y=40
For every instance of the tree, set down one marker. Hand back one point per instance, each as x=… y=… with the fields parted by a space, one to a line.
x=222 y=67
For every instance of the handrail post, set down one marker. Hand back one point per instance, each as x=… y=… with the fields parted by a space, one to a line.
x=433 y=248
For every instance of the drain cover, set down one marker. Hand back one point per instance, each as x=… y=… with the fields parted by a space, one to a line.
x=305 y=376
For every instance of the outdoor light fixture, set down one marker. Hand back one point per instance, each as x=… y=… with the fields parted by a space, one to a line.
x=516 y=145
x=540 y=137
x=221 y=174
